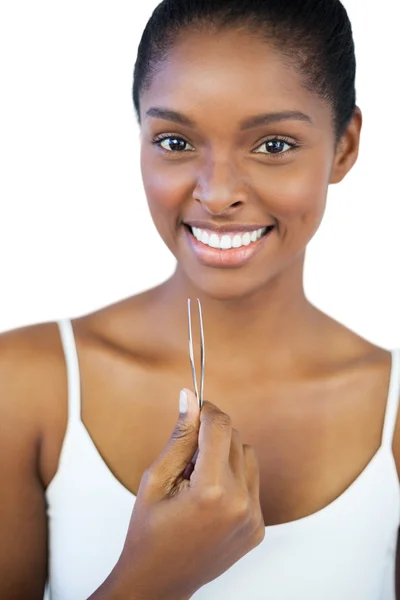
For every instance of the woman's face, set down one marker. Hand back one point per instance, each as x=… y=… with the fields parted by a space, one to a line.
x=221 y=177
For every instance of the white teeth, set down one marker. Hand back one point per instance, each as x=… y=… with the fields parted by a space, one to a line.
x=246 y=239
x=204 y=237
x=237 y=241
x=226 y=241
x=214 y=241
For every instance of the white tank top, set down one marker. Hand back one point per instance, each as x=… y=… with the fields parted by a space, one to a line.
x=346 y=551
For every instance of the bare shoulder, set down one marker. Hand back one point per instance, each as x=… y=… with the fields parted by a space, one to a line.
x=32 y=381
x=31 y=362
x=376 y=369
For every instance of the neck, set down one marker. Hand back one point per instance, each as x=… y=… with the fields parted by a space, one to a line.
x=275 y=323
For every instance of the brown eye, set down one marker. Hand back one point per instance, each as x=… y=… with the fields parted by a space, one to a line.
x=277 y=146
x=171 y=143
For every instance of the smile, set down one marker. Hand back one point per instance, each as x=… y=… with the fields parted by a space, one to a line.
x=227 y=240
x=229 y=249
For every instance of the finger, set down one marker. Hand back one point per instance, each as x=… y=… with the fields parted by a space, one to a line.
x=236 y=458
x=215 y=435
x=180 y=448
x=252 y=472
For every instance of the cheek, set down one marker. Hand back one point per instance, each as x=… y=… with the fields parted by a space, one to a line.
x=164 y=184
x=166 y=193
x=297 y=192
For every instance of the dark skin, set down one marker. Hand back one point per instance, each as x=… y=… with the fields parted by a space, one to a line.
x=307 y=393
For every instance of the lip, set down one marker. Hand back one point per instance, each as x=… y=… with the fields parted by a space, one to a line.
x=232 y=258
x=227 y=228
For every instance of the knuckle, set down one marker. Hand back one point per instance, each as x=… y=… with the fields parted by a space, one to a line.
x=242 y=511
x=212 y=495
x=224 y=421
x=216 y=417
x=181 y=430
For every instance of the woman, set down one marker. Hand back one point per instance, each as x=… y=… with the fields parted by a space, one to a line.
x=247 y=114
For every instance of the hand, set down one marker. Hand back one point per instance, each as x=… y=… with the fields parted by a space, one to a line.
x=189 y=525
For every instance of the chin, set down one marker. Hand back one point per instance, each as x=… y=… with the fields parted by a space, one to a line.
x=232 y=286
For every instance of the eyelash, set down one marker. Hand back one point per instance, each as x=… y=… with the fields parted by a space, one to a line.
x=165 y=136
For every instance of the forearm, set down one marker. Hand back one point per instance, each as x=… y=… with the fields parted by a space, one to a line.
x=116 y=587
x=108 y=592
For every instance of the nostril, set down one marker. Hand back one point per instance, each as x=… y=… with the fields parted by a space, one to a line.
x=218 y=207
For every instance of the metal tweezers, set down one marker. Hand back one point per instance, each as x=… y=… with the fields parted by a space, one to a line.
x=191 y=354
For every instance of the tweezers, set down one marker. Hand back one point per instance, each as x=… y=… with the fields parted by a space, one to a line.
x=200 y=395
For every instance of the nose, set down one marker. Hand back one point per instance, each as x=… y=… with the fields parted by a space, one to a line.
x=219 y=189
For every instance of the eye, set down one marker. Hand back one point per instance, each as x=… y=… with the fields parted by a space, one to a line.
x=276 y=146
x=174 y=144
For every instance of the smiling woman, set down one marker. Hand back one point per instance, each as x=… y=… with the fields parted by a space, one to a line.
x=284 y=485
x=265 y=158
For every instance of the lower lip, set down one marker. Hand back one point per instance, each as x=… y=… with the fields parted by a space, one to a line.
x=234 y=257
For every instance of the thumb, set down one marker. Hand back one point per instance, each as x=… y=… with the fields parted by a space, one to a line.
x=183 y=442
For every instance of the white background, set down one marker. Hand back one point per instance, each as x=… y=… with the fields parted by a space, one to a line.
x=75 y=232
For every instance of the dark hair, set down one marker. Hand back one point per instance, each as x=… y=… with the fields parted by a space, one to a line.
x=315 y=36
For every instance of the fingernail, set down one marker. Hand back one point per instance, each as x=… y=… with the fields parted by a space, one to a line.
x=183 y=402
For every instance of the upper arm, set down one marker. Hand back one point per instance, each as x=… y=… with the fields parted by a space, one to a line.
x=23 y=545
x=23 y=519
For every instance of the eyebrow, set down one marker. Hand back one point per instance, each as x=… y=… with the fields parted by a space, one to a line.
x=249 y=123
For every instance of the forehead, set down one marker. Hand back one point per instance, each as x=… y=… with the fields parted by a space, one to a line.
x=226 y=76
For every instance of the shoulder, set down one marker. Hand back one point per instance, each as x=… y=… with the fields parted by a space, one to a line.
x=32 y=383
x=26 y=354
x=385 y=367
x=370 y=367
x=33 y=374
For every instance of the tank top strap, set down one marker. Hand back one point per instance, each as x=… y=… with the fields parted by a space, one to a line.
x=392 y=401
x=72 y=365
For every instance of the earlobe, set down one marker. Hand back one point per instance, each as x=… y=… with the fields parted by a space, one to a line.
x=348 y=148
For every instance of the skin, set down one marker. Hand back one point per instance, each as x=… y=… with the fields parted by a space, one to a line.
x=307 y=393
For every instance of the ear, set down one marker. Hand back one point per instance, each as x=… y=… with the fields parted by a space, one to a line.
x=347 y=148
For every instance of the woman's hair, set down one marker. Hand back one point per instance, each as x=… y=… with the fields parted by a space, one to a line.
x=313 y=36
